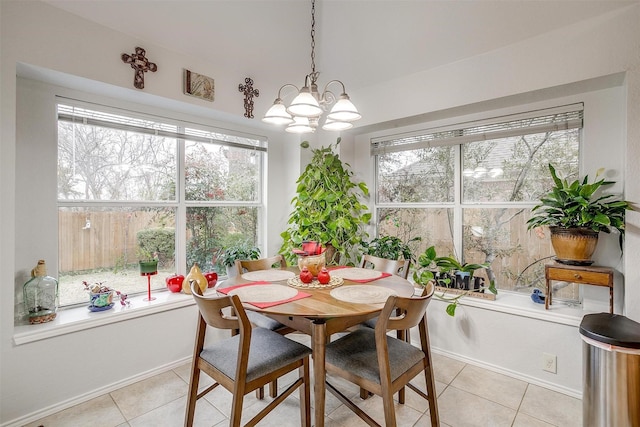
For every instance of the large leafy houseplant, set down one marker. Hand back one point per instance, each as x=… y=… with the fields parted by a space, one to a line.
x=578 y=207
x=328 y=209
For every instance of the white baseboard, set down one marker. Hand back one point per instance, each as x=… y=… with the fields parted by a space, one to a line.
x=513 y=374
x=45 y=412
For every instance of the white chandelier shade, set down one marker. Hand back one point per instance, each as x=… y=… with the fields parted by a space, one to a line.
x=344 y=110
x=300 y=125
x=277 y=114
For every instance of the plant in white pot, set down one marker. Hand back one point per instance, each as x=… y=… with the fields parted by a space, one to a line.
x=241 y=250
x=576 y=212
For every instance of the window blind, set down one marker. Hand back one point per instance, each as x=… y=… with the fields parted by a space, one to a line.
x=152 y=126
x=548 y=120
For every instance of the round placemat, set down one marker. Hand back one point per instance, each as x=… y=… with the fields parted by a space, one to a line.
x=264 y=293
x=334 y=282
x=364 y=294
x=356 y=273
x=271 y=275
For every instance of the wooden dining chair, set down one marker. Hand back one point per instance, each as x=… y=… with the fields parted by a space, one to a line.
x=244 y=362
x=399 y=267
x=383 y=364
x=245 y=265
x=258 y=319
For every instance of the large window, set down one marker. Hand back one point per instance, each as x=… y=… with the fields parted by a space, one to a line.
x=468 y=189
x=132 y=186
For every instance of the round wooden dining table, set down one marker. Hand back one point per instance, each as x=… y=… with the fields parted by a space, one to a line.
x=320 y=315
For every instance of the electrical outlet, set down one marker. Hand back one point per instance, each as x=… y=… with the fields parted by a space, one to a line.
x=549 y=363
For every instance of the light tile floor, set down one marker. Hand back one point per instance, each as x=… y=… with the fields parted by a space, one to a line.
x=467 y=396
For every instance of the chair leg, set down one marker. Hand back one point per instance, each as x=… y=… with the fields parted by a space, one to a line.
x=305 y=395
x=192 y=396
x=364 y=394
x=389 y=409
x=403 y=335
x=260 y=393
x=273 y=389
x=236 y=408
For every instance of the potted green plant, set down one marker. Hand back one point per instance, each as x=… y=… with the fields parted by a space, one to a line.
x=328 y=209
x=147 y=262
x=448 y=272
x=227 y=256
x=576 y=212
x=391 y=247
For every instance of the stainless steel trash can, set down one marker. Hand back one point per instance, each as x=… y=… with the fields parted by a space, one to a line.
x=611 y=371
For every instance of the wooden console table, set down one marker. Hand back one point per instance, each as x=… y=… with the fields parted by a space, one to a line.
x=585 y=275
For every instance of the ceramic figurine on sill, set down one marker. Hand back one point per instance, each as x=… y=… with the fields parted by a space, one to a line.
x=537 y=296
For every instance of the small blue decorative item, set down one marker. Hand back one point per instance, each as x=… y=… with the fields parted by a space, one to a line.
x=537 y=296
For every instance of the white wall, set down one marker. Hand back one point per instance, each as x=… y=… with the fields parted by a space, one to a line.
x=34 y=33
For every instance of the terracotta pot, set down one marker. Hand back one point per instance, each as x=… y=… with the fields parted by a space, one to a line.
x=574 y=246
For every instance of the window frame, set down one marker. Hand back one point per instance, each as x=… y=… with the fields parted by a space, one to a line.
x=186 y=131
x=454 y=135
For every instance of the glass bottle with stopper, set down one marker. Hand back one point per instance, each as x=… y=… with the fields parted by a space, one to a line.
x=41 y=295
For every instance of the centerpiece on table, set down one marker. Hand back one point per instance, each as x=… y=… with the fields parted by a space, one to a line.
x=312 y=257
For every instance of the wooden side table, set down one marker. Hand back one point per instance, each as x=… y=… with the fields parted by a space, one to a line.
x=584 y=275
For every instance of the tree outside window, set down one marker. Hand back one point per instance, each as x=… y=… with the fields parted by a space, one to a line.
x=500 y=180
x=121 y=199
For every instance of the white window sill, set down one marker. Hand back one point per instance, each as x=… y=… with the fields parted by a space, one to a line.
x=520 y=304
x=77 y=319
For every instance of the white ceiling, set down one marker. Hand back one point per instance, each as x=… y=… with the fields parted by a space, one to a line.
x=361 y=42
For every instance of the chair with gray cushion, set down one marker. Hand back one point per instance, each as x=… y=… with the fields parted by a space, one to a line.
x=383 y=364
x=399 y=267
x=258 y=319
x=244 y=362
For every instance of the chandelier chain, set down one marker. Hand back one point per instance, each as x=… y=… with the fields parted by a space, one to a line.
x=313 y=37
x=309 y=104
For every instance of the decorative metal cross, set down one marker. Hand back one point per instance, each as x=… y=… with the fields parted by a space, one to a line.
x=140 y=64
x=249 y=93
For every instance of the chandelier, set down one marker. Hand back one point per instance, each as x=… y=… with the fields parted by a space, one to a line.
x=306 y=109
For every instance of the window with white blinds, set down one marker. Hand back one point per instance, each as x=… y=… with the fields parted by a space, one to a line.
x=468 y=189
x=547 y=120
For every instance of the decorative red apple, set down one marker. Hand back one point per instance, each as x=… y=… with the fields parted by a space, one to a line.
x=212 y=278
x=174 y=283
x=323 y=276
x=305 y=275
